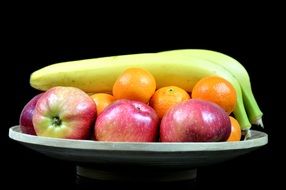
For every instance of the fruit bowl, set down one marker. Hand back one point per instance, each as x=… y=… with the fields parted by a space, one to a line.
x=154 y=161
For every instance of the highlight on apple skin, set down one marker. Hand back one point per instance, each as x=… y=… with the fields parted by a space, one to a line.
x=64 y=112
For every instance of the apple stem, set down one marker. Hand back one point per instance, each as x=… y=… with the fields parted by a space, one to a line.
x=56 y=121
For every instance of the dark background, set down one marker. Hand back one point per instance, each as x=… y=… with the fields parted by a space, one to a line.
x=32 y=44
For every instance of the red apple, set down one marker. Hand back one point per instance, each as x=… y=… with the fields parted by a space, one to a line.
x=195 y=121
x=129 y=121
x=26 y=117
x=64 y=112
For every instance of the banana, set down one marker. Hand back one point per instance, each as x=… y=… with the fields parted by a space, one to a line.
x=236 y=69
x=99 y=74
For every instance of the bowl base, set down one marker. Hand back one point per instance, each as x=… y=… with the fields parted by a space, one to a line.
x=136 y=175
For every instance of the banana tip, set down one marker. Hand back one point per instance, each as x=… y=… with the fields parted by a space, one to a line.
x=259 y=122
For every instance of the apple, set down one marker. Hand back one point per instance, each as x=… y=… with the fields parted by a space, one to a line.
x=64 y=112
x=127 y=121
x=195 y=120
x=26 y=116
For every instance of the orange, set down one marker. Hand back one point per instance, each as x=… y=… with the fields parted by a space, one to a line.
x=235 y=133
x=166 y=97
x=102 y=100
x=217 y=90
x=134 y=84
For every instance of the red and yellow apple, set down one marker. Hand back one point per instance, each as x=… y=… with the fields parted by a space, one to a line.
x=127 y=121
x=64 y=112
x=195 y=121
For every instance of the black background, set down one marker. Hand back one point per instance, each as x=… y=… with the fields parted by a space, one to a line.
x=32 y=44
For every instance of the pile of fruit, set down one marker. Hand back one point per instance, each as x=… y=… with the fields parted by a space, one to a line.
x=173 y=96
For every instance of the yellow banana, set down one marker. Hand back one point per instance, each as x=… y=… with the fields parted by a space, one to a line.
x=99 y=74
x=236 y=69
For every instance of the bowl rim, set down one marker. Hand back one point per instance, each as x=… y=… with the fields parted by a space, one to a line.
x=257 y=139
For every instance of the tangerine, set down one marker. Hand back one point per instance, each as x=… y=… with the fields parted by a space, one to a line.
x=166 y=97
x=217 y=90
x=102 y=100
x=134 y=84
x=235 y=134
